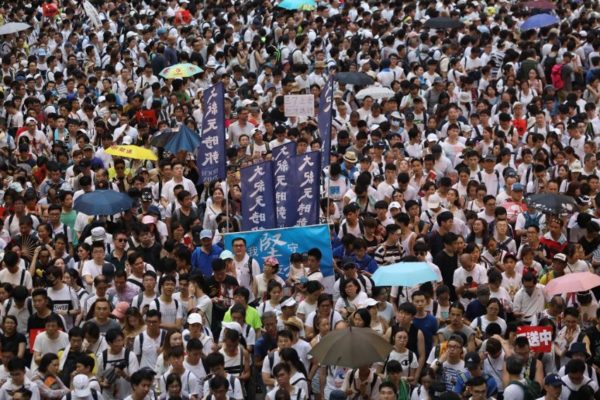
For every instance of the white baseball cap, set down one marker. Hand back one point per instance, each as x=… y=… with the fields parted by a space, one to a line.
x=81 y=386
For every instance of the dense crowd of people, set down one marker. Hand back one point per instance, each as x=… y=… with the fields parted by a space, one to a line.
x=148 y=303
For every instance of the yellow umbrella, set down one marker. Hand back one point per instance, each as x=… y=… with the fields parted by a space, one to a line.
x=131 y=151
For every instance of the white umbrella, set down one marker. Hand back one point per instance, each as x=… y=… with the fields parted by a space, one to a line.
x=376 y=92
x=92 y=13
x=13 y=27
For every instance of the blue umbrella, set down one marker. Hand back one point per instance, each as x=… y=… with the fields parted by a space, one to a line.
x=539 y=21
x=407 y=274
x=103 y=202
x=184 y=140
x=298 y=4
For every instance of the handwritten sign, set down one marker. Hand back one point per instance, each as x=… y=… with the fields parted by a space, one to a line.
x=539 y=337
x=299 y=105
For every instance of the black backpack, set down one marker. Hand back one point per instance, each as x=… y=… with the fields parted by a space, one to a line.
x=94 y=394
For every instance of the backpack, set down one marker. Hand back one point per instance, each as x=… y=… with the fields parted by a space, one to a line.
x=497 y=179
x=532 y=220
x=556 y=77
x=291 y=56
x=163 y=333
x=157 y=302
x=351 y=381
x=105 y=358
x=94 y=395
x=28 y=303
x=531 y=389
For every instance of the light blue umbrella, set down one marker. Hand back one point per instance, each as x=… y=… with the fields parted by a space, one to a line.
x=184 y=140
x=408 y=274
x=303 y=5
x=539 y=21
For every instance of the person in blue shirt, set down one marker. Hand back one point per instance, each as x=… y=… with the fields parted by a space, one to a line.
x=366 y=264
x=204 y=254
x=423 y=320
x=473 y=369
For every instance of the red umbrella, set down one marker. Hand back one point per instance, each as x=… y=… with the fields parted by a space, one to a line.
x=183 y=17
x=540 y=5
x=49 y=10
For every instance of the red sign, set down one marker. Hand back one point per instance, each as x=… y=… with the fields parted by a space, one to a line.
x=540 y=337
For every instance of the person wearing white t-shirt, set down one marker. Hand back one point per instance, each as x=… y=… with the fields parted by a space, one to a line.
x=14 y=273
x=167 y=195
x=170 y=309
x=52 y=340
x=467 y=278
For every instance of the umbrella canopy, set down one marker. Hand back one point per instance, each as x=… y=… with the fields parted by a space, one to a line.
x=442 y=23
x=376 y=92
x=103 y=202
x=539 y=21
x=184 y=140
x=551 y=203
x=180 y=71
x=131 y=151
x=572 y=283
x=354 y=78
x=303 y=5
x=92 y=13
x=161 y=139
x=407 y=274
x=540 y=5
x=351 y=348
x=13 y=27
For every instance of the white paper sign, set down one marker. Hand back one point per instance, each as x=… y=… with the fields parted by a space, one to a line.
x=299 y=105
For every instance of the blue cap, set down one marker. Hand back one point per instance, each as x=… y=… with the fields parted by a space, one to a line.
x=206 y=234
x=161 y=31
x=41 y=53
x=553 y=380
x=518 y=187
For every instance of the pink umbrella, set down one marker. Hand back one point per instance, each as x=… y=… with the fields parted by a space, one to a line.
x=572 y=283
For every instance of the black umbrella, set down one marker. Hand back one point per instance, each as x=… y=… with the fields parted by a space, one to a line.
x=442 y=23
x=354 y=78
x=551 y=203
x=161 y=138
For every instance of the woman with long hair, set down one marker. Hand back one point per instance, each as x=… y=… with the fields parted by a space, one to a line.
x=47 y=379
x=272 y=299
x=298 y=375
x=173 y=338
x=479 y=232
x=133 y=326
x=215 y=206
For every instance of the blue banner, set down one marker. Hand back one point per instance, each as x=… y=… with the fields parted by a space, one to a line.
x=281 y=243
x=282 y=177
x=210 y=157
x=325 y=116
x=305 y=170
x=258 y=200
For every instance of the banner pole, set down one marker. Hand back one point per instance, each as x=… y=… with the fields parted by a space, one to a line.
x=227 y=206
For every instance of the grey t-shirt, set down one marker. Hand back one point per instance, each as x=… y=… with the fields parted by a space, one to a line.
x=467 y=331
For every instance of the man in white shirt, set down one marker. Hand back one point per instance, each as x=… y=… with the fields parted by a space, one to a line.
x=529 y=300
x=167 y=195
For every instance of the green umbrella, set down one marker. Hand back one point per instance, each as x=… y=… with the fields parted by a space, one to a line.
x=180 y=71
x=351 y=348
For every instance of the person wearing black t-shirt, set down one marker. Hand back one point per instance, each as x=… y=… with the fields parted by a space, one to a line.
x=447 y=261
x=12 y=340
x=220 y=288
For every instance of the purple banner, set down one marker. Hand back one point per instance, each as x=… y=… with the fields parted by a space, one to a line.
x=284 y=190
x=305 y=171
x=258 y=200
x=211 y=158
x=325 y=116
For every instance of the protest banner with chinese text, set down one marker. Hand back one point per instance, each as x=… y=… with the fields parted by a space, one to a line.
x=539 y=337
x=281 y=243
x=325 y=116
x=258 y=197
x=305 y=179
x=299 y=105
x=284 y=195
x=210 y=157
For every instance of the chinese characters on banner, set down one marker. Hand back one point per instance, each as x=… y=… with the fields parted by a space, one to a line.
x=285 y=212
x=211 y=152
x=281 y=243
x=540 y=337
x=325 y=116
x=257 y=197
x=305 y=170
